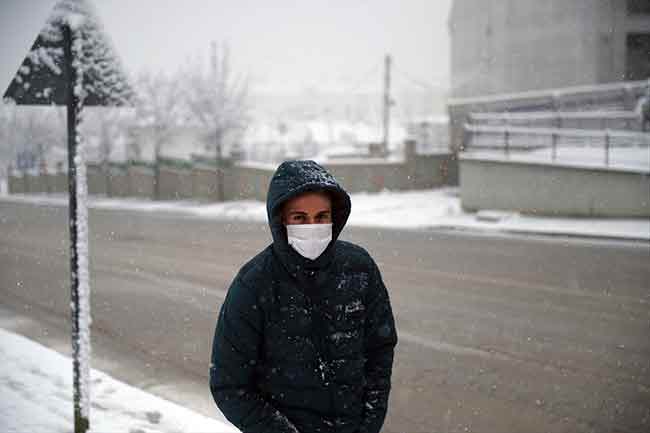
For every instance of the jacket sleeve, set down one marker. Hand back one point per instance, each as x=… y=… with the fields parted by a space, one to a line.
x=236 y=352
x=380 y=341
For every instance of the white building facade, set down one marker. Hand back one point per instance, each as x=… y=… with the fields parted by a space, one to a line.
x=507 y=46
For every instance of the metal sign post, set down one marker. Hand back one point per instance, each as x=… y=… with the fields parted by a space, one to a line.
x=81 y=422
x=72 y=64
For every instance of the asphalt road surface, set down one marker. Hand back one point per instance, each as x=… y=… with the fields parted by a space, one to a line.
x=497 y=334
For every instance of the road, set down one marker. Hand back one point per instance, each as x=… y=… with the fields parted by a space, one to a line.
x=497 y=334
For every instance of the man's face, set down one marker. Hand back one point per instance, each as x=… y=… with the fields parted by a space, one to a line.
x=308 y=208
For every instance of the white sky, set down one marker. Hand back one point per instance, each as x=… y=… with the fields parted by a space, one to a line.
x=283 y=45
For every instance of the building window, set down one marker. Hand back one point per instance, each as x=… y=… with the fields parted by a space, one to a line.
x=636 y=7
x=638 y=56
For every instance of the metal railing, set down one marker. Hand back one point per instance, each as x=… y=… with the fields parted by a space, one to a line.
x=628 y=120
x=612 y=97
x=514 y=138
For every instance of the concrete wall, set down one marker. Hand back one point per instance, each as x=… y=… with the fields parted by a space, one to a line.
x=553 y=190
x=96 y=178
x=361 y=177
x=430 y=171
x=248 y=183
x=204 y=183
x=35 y=184
x=141 y=181
x=118 y=182
x=175 y=183
x=415 y=172
x=59 y=182
x=16 y=185
x=243 y=181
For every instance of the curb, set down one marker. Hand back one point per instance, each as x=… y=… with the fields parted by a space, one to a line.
x=521 y=233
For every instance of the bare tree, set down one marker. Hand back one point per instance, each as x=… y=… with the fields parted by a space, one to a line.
x=107 y=126
x=7 y=142
x=39 y=130
x=218 y=100
x=159 y=111
x=36 y=131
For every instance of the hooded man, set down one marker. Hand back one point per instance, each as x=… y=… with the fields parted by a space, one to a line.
x=305 y=337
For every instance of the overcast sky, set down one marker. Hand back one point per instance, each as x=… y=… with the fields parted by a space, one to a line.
x=282 y=45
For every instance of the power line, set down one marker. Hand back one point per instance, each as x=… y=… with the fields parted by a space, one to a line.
x=363 y=78
x=415 y=81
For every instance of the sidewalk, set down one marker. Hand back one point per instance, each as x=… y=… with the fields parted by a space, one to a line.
x=425 y=209
x=36 y=389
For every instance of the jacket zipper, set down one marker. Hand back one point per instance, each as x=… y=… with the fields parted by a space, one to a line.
x=323 y=366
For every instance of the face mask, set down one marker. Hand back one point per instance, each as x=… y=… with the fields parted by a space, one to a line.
x=309 y=240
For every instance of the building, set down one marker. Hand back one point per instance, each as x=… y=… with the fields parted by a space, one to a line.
x=507 y=46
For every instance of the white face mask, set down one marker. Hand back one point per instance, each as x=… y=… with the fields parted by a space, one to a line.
x=309 y=240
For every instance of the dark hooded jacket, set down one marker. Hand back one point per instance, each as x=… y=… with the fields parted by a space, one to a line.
x=300 y=345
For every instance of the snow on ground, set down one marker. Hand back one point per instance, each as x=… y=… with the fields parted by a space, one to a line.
x=632 y=158
x=441 y=208
x=425 y=209
x=36 y=389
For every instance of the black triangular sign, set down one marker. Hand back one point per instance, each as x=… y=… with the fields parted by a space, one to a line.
x=41 y=79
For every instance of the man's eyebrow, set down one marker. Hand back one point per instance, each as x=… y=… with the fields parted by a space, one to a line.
x=293 y=211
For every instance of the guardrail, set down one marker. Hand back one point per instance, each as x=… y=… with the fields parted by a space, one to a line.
x=629 y=120
x=513 y=138
x=621 y=96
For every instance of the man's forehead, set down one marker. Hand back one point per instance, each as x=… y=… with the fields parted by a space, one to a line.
x=320 y=199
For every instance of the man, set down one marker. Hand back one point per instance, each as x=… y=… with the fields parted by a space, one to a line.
x=305 y=337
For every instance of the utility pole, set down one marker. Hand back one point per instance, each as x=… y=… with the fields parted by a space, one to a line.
x=387 y=103
x=217 y=80
x=156 y=168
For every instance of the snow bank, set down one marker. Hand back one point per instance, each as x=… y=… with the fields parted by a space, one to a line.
x=424 y=209
x=36 y=389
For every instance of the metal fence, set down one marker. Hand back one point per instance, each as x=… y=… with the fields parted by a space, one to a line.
x=601 y=98
x=627 y=120
x=508 y=139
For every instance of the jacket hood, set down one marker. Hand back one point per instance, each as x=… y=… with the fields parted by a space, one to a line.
x=293 y=178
